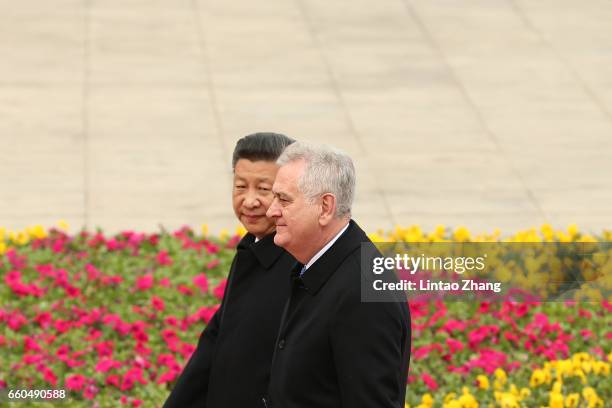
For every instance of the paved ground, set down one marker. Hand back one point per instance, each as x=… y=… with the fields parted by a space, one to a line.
x=123 y=114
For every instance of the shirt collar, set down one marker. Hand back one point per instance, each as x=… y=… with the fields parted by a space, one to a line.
x=325 y=248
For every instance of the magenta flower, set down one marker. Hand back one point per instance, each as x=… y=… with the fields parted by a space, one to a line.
x=220 y=289
x=429 y=381
x=201 y=282
x=75 y=382
x=157 y=303
x=144 y=282
x=163 y=258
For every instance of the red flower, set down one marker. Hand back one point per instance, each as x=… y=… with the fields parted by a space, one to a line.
x=454 y=345
x=48 y=375
x=75 y=382
x=429 y=381
x=185 y=290
x=29 y=344
x=586 y=334
x=201 y=282
x=213 y=264
x=220 y=289
x=157 y=303
x=163 y=258
x=144 y=282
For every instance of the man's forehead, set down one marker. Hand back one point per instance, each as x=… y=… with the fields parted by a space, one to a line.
x=287 y=177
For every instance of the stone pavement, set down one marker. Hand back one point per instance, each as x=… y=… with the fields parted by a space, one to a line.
x=123 y=114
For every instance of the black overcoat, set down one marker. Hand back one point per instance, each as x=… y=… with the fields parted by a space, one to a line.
x=230 y=366
x=333 y=350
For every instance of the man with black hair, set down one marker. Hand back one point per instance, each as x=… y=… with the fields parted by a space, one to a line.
x=230 y=367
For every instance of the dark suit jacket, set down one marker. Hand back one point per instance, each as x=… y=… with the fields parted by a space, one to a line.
x=334 y=350
x=230 y=366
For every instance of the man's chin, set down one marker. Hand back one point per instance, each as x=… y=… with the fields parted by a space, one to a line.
x=279 y=240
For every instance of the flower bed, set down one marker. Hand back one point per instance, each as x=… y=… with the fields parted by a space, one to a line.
x=112 y=320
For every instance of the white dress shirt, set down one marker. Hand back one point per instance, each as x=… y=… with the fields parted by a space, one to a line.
x=324 y=249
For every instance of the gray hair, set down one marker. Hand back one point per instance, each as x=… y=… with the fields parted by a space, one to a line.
x=328 y=170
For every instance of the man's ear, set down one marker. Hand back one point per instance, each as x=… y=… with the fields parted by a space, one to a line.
x=328 y=208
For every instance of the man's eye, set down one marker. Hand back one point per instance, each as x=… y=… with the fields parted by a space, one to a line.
x=239 y=187
x=264 y=189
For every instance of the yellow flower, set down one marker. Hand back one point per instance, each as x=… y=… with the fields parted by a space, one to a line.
x=224 y=234
x=22 y=238
x=461 y=234
x=580 y=374
x=449 y=397
x=2 y=247
x=483 y=382
x=547 y=232
x=501 y=376
x=426 y=401
x=375 y=237
x=555 y=400
x=538 y=377
x=467 y=400
x=37 y=232
x=592 y=398
x=241 y=231
x=63 y=225
x=525 y=392
x=571 y=401
x=452 y=404
x=601 y=367
x=406 y=405
x=557 y=387
x=507 y=400
x=2 y=233
x=572 y=230
x=204 y=230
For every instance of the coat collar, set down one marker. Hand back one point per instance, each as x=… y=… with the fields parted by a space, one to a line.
x=264 y=250
x=320 y=271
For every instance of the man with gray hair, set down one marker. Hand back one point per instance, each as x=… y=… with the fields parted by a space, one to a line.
x=332 y=349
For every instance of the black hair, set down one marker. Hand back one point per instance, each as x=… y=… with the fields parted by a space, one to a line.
x=260 y=146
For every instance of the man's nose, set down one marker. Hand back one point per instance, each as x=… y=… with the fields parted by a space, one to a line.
x=273 y=209
x=251 y=200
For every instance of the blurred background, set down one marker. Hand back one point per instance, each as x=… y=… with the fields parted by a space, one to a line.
x=124 y=114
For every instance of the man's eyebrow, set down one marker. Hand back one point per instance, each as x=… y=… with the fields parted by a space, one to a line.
x=281 y=194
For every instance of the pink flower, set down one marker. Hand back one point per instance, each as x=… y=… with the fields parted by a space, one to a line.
x=48 y=375
x=171 y=321
x=113 y=379
x=586 y=334
x=144 y=282
x=185 y=290
x=220 y=289
x=16 y=320
x=43 y=319
x=454 y=325
x=90 y=391
x=107 y=364
x=29 y=344
x=429 y=381
x=157 y=303
x=213 y=264
x=75 y=382
x=454 y=345
x=201 y=282
x=92 y=272
x=168 y=376
x=163 y=258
